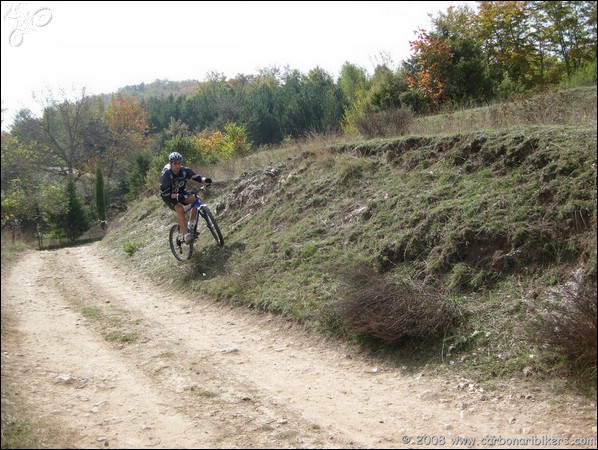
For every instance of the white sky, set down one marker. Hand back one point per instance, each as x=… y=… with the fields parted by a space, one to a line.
x=104 y=46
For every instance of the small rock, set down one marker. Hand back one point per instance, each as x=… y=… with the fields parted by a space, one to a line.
x=65 y=378
x=229 y=350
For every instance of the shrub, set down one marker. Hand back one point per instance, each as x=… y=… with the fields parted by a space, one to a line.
x=567 y=327
x=377 y=305
x=390 y=122
x=216 y=146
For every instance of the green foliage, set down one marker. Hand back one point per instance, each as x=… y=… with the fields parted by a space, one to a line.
x=19 y=181
x=75 y=220
x=139 y=174
x=221 y=146
x=352 y=80
x=100 y=195
x=63 y=211
x=356 y=112
x=584 y=76
x=237 y=136
x=509 y=88
x=130 y=247
x=15 y=203
x=181 y=144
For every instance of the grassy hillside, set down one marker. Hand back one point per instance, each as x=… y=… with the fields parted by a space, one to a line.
x=454 y=250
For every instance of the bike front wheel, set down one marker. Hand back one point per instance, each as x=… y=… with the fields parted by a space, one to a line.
x=212 y=225
x=180 y=250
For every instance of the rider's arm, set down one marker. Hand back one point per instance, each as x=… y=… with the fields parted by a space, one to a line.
x=198 y=178
x=165 y=185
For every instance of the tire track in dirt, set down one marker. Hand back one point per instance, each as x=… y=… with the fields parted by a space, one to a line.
x=202 y=375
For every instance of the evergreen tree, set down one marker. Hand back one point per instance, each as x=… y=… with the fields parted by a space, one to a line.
x=100 y=197
x=75 y=219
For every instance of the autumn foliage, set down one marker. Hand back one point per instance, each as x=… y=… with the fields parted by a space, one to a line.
x=217 y=146
x=432 y=57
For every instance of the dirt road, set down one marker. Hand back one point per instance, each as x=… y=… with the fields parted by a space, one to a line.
x=117 y=361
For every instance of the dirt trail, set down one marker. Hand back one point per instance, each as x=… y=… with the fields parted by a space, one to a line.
x=202 y=375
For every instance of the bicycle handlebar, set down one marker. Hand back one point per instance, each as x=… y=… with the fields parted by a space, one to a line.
x=203 y=187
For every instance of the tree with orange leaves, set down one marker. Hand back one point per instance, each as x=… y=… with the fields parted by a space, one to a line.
x=430 y=64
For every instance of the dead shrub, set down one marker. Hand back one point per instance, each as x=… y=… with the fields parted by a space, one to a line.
x=390 y=122
x=377 y=305
x=567 y=327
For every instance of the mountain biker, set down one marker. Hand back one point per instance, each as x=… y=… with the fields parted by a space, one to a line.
x=173 y=181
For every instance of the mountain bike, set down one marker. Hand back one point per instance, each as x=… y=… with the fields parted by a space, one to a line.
x=183 y=251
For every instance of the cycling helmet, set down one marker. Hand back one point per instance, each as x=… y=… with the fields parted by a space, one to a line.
x=175 y=157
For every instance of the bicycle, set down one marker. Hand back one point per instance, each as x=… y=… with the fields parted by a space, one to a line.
x=183 y=251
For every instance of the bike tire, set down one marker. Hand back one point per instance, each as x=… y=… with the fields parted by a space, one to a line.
x=180 y=250
x=212 y=225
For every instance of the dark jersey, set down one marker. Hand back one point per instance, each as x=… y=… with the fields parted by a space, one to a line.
x=175 y=184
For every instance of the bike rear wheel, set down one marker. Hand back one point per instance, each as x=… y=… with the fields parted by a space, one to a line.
x=180 y=250
x=212 y=225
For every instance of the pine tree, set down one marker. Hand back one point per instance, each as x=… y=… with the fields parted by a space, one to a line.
x=76 y=221
x=100 y=197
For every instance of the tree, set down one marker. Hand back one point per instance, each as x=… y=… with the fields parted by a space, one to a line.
x=74 y=220
x=322 y=101
x=429 y=67
x=161 y=111
x=570 y=29
x=352 y=80
x=127 y=121
x=468 y=78
x=62 y=210
x=506 y=32
x=62 y=128
x=100 y=196
x=20 y=181
x=261 y=110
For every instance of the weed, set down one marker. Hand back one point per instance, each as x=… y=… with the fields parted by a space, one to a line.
x=131 y=247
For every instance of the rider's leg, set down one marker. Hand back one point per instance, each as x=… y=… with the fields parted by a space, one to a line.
x=189 y=200
x=180 y=217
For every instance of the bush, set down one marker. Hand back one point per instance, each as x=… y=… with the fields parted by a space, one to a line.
x=390 y=122
x=377 y=305
x=567 y=327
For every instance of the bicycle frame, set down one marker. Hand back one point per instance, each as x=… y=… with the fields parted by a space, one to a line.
x=182 y=250
x=197 y=202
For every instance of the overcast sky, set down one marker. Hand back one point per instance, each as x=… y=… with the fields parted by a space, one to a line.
x=104 y=46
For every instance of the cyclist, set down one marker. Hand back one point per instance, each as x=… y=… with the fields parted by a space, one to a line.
x=173 y=181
